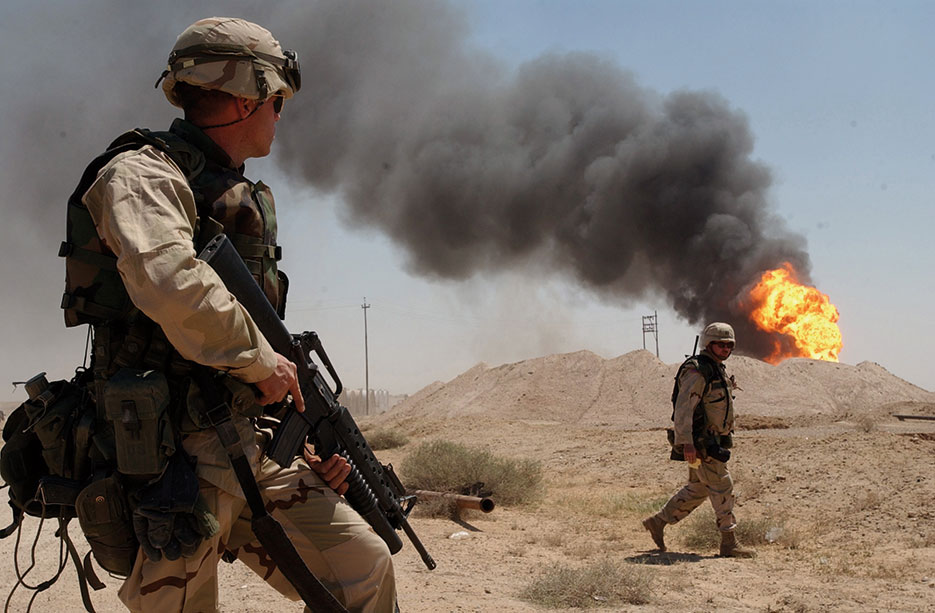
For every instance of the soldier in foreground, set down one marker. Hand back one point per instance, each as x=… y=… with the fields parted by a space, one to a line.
x=144 y=209
x=703 y=422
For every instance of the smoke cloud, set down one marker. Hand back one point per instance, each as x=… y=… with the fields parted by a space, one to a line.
x=562 y=166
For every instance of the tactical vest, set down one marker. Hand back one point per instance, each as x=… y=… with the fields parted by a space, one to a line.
x=226 y=202
x=715 y=382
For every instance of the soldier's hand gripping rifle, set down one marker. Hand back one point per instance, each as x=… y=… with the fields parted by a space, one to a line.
x=373 y=490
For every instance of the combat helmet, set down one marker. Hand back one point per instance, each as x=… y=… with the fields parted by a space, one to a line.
x=234 y=56
x=717 y=331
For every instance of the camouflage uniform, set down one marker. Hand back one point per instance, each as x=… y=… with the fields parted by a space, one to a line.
x=147 y=213
x=711 y=480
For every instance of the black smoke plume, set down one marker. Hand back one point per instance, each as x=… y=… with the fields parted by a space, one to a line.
x=562 y=166
x=565 y=165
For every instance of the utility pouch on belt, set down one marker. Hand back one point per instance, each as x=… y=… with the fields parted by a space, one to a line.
x=136 y=403
x=675 y=453
x=107 y=525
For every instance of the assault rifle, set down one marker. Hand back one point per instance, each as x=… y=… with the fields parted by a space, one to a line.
x=374 y=490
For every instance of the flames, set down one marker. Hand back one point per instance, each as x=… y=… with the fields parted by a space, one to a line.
x=801 y=314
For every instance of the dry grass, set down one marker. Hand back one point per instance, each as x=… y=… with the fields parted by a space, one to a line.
x=444 y=466
x=437 y=507
x=603 y=583
x=386 y=438
x=611 y=505
x=699 y=531
x=748 y=484
x=865 y=564
x=868 y=501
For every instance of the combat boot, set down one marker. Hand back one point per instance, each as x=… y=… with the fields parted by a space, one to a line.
x=655 y=525
x=731 y=549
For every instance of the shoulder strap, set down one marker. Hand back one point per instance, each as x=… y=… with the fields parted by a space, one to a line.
x=712 y=371
x=708 y=369
x=705 y=366
x=189 y=158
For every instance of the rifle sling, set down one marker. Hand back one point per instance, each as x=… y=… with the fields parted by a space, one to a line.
x=267 y=530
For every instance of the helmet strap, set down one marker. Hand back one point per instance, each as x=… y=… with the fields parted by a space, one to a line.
x=230 y=123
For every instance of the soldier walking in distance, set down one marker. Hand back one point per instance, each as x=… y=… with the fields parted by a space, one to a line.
x=703 y=422
x=161 y=317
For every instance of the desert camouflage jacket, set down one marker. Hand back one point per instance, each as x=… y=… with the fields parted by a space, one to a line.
x=717 y=402
x=147 y=214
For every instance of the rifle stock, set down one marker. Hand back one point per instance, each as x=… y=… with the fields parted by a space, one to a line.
x=373 y=491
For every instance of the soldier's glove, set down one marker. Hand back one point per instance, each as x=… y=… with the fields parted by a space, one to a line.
x=170 y=518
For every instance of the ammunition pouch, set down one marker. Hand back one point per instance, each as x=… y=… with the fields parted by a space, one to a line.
x=713 y=448
x=136 y=405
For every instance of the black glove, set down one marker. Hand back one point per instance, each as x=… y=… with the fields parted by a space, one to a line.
x=170 y=517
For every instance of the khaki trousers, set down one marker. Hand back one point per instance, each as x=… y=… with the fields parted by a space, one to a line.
x=711 y=480
x=336 y=543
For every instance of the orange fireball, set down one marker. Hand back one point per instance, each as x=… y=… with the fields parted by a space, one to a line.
x=782 y=305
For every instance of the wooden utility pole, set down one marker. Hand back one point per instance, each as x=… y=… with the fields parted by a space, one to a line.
x=366 y=306
x=650 y=324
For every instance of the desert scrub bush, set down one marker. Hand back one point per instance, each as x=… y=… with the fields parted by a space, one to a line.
x=600 y=584
x=866 y=423
x=451 y=467
x=438 y=507
x=386 y=438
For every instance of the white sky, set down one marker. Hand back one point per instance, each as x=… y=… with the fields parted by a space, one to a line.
x=839 y=97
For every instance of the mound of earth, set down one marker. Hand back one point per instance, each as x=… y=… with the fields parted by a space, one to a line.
x=633 y=390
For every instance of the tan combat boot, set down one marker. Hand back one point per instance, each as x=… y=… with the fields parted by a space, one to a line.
x=655 y=526
x=730 y=548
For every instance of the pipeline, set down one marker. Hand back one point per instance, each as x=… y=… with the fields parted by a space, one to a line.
x=484 y=504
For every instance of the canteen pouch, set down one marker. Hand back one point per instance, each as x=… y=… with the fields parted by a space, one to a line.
x=136 y=404
x=105 y=519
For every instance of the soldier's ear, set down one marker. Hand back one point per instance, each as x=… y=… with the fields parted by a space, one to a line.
x=245 y=106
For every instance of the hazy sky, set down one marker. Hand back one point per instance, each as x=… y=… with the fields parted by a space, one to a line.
x=837 y=97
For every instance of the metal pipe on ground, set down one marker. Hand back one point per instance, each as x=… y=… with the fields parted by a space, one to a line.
x=463 y=502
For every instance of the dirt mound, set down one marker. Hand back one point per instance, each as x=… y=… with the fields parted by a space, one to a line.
x=633 y=390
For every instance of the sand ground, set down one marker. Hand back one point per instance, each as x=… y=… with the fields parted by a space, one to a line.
x=844 y=489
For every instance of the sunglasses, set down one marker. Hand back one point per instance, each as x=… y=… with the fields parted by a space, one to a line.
x=723 y=344
x=278 y=102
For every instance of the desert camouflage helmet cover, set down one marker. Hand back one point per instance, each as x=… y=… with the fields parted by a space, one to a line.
x=717 y=331
x=232 y=55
